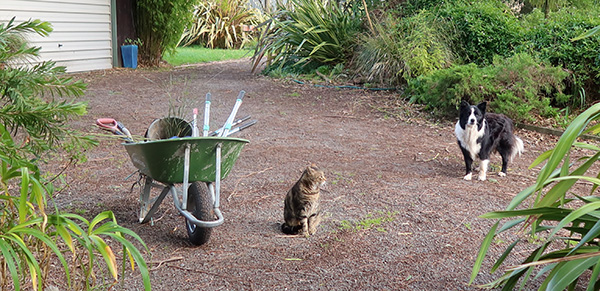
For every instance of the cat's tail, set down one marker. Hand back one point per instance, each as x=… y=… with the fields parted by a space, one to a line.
x=290 y=229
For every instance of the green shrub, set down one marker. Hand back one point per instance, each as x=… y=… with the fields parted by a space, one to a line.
x=411 y=7
x=221 y=24
x=518 y=86
x=551 y=38
x=556 y=224
x=32 y=239
x=404 y=49
x=318 y=32
x=483 y=29
x=159 y=25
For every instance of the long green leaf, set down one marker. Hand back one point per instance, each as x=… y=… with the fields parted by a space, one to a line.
x=107 y=254
x=587 y=146
x=23 y=208
x=568 y=272
x=139 y=259
x=588 y=33
x=62 y=231
x=485 y=245
x=528 y=192
x=510 y=224
x=37 y=194
x=566 y=140
x=590 y=235
x=34 y=267
x=594 y=277
x=574 y=215
x=504 y=255
x=526 y=212
x=560 y=189
x=48 y=242
x=11 y=261
x=525 y=272
x=542 y=157
x=98 y=218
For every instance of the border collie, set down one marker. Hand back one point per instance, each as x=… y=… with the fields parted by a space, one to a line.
x=479 y=134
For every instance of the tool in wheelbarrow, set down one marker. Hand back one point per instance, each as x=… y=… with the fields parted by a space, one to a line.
x=115 y=127
x=236 y=106
x=187 y=167
x=194 y=123
x=218 y=131
x=241 y=127
x=206 y=127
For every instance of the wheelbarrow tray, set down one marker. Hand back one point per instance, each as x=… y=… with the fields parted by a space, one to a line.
x=163 y=160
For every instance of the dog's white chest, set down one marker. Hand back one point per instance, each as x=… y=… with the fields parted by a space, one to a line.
x=468 y=138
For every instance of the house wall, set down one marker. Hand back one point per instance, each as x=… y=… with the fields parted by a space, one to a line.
x=82 y=36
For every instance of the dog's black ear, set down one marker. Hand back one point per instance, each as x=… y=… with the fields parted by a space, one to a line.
x=464 y=103
x=482 y=106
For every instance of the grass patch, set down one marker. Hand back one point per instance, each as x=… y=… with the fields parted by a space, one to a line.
x=197 y=54
x=370 y=221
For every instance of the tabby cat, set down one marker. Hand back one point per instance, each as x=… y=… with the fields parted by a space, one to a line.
x=301 y=210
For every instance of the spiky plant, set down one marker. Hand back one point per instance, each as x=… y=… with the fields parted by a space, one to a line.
x=564 y=221
x=221 y=24
x=29 y=91
x=309 y=31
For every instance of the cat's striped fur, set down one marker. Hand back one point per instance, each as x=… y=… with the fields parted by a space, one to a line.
x=301 y=210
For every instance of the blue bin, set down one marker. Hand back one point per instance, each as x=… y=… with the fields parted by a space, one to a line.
x=129 y=53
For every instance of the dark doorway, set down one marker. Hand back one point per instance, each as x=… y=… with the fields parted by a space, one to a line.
x=125 y=24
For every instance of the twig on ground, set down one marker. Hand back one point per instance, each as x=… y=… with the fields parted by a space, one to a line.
x=210 y=273
x=340 y=116
x=288 y=235
x=160 y=263
x=161 y=217
x=436 y=155
x=260 y=198
x=240 y=180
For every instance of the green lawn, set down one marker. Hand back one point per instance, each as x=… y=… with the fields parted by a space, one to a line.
x=197 y=54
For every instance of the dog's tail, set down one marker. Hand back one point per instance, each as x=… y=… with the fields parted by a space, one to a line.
x=517 y=148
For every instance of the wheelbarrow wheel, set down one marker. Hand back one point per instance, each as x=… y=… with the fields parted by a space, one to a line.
x=200 y=205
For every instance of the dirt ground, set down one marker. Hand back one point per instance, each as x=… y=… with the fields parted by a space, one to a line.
x=398 y=175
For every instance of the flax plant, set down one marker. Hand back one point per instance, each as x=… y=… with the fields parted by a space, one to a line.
x=223 y=24
x=564 y=221
x=307 y=31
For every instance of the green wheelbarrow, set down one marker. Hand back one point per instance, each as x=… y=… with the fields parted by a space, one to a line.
x=198 y=164
x=174 y=159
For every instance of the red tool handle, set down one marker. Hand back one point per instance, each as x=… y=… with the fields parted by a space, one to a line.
x=107 y=123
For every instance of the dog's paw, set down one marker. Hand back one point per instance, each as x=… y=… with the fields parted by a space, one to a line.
x=468 y=177
x=501 y=174
x=481 y=177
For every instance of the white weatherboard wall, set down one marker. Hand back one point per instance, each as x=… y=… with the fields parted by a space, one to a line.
x=81 y=40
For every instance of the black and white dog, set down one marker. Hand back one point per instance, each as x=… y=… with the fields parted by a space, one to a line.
x=479 y=134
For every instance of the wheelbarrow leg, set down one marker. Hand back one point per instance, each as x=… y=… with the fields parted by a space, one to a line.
x=217 y=197
x=148 y=205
